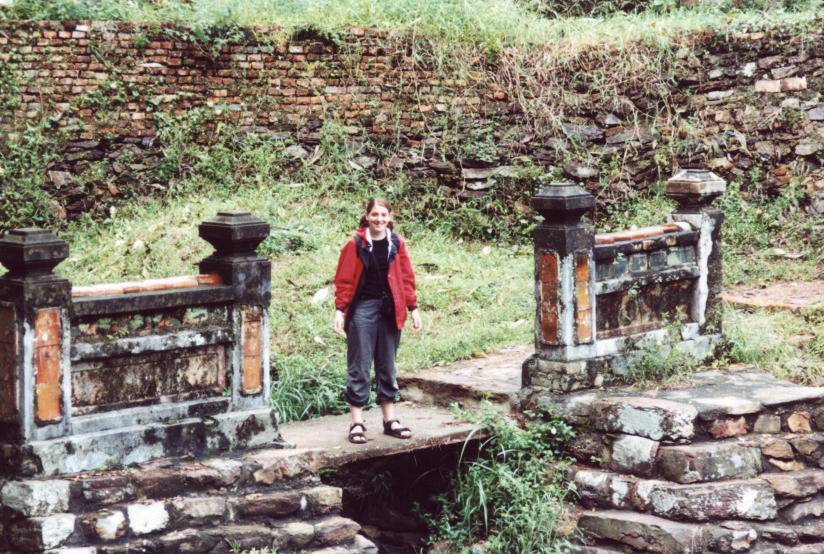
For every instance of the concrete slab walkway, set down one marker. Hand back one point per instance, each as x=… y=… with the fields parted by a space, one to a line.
x=326 y=437
x=425 y=410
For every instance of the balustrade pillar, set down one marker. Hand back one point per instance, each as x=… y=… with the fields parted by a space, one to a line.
x=235 y=237
x=564 y=277
x=35 y=381
x=694 y=190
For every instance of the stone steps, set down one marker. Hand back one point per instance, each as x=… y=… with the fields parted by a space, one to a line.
x=609 y=531
x=496 y=377
x=750 y=499
x=731 y=463
x=266 y=498
x=328 y=535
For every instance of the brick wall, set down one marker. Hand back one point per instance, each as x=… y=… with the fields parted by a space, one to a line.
x=749 y=106
x=138 y=72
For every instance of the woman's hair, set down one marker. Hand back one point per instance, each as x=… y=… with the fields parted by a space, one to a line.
x=371 y=204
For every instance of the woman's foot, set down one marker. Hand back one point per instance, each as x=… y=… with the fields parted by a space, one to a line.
x=393 y=428
x=357 y=433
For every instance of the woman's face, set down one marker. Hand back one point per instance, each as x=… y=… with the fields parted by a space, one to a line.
x=378 y=218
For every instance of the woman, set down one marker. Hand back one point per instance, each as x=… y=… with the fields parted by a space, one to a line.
x=374 y=288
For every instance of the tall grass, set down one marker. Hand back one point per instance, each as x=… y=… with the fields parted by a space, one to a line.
x=511 y=496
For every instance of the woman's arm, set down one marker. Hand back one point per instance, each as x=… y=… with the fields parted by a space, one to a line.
x=344 y=284
x=410 y=292
x=345 y=276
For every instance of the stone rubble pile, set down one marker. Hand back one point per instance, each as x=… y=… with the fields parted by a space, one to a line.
x=262 y=499
x=731 y=463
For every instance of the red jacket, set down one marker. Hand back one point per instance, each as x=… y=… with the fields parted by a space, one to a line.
x=349 y=275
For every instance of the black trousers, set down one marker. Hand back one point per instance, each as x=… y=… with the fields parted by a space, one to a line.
x=372 y=335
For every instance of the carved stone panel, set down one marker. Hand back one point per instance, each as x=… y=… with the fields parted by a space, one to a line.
x=151 y=378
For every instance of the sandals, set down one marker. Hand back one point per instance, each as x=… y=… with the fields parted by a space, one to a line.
x=397 y=432
x=357 y=437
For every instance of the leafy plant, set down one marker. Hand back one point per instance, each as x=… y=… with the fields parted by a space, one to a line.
x=512 y=496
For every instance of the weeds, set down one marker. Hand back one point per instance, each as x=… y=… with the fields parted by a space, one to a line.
x=661 y=360
x=512 y=496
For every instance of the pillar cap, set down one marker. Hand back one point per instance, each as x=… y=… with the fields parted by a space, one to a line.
x=696 y=186
x=234 y=233
x=563 y=200
x=32 y=252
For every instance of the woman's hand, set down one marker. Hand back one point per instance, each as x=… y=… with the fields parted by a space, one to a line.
x=339 y=321
x=416 y=320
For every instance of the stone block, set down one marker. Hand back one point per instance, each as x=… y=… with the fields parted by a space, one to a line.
x=35 y=498
x=274 y=504
x=105 y=490
x=632 y=454
x=799 y=422
x=728 y=427
x=642 y=532
x=775 y=531
x=602 y=488
x=802 y=509
x=42 y=533
x=297 y=534
x=147 y=518
x=786 y=465
x=200 y=507
x=736 y=499
x=767 y=424
x=708 y=462
x=107 y=525
x=324 y=499
x=276 y=465
x=228 y=470
x=730 y=536
x=653 y=418
x=805 y=446
x=777 y=448
x=335 y=530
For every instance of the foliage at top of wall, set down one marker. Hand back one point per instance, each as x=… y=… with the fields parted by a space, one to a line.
x=492 y=24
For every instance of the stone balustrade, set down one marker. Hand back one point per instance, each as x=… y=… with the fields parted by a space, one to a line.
x=107 y=375
x=601 y=297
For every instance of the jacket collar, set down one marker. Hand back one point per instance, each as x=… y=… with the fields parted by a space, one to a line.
x=366 y=240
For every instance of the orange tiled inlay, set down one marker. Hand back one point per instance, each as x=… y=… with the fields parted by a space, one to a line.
x=548 y=276
x=583 y=309
x=8 y=361
x=251 y=328
x=47 y=370
x=149 y=285
x=635 y=234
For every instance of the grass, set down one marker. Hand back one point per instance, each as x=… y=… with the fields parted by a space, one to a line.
x=787 y=345
x=493 y=24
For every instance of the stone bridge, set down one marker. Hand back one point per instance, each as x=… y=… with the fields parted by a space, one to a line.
x=136 y=416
